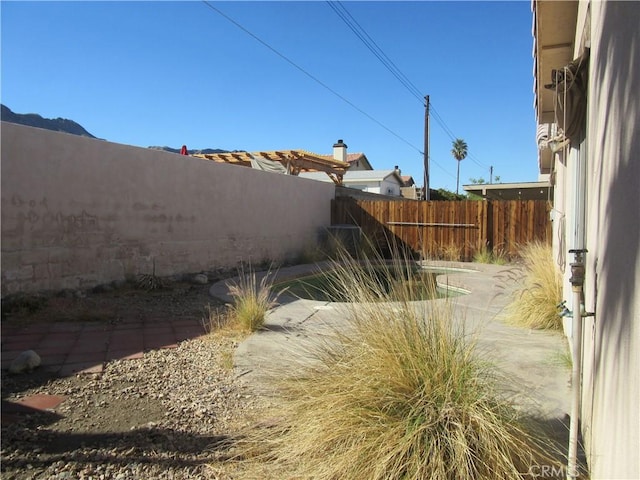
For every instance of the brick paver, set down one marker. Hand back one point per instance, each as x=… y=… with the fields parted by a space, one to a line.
x=71 y=348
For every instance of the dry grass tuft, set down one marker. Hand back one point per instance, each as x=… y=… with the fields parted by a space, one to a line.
x=252 y=299
x=451 y=252
x=497 y=256
x=399 y=393
x=539 y=292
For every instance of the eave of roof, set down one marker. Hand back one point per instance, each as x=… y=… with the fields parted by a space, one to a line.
x=554 y=30
x=511 y=191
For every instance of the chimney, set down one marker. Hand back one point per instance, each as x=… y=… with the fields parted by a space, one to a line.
x=340 y=151
x=397 y=169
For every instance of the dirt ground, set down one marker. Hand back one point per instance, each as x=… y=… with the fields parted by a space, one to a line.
x=162 y=416
x=110 y=304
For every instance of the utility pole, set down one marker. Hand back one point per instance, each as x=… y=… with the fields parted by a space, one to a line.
x=491 y=174
x=427 y=195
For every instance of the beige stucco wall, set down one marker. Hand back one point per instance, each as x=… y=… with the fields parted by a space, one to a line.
x=611 y=382
x=78 y=212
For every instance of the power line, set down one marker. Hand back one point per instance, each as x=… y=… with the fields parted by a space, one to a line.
x=320 y=82
x=374 y=48
x=438 y=118
x=314 y=78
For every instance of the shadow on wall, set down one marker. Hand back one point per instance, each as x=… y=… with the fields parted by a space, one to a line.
x=619 y=257
x=616 y=87
x=375 y=233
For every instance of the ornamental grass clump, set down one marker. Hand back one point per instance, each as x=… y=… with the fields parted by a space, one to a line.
x=399 y=392
x=496 y=256
x=539 y=291
x=252 y=299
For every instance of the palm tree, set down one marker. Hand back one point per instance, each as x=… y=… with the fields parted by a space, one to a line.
x=459 y=152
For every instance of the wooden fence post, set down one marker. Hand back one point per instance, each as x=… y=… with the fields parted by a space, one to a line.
x=489 y=226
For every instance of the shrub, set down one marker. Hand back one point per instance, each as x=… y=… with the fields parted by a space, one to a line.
x=398 y=393
x=497 y=256
x=539 y=290
x=451 y=252
x=252 y=299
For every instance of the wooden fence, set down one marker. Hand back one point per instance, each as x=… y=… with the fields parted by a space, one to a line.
x=453 y=230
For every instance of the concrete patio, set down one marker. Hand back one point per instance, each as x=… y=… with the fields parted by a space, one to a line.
x=528 y=357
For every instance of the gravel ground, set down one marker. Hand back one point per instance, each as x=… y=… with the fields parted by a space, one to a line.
x=169 y=415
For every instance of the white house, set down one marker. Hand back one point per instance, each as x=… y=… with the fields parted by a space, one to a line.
x=383 y=182
x=587 y=98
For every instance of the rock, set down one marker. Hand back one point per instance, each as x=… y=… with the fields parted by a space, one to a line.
x=26 y=361
x=119 y=284
x=200 y=279
x=104 y=288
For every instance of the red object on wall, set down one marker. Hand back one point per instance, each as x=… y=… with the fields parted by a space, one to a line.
x=183 y=150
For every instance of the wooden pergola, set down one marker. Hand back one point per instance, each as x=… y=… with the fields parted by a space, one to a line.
x=294 y=161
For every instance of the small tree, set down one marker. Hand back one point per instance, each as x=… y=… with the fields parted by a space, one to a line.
x=459 y=152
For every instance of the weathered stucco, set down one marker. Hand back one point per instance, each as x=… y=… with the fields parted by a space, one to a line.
x=78 y=212
x=611 y=382
x=599 y=209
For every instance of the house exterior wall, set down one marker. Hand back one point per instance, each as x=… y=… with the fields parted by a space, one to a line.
x=78 y=212
x=611 y=378
x=390 y=187
x=385 y=187
x=609 y=163
x=372 y=187
x=359 y=165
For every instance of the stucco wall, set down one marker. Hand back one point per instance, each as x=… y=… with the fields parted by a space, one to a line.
x=611 y=382
x=78 y=212
x=390 y=187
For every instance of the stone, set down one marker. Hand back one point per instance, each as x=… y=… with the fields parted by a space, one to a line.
x=200 y=279
x=25 y=362
x=103 y=288
x=119 y=284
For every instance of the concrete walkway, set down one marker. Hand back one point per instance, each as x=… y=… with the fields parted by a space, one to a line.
x=528 y=356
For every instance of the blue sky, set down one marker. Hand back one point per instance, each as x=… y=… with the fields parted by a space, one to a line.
x=173 y=73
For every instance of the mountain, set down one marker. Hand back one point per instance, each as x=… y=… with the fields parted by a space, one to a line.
x=69 y=126
x=205 y=151
x=35 y=120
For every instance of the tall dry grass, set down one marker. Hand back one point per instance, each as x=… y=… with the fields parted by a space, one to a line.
x=495 y=256
x=539 y=290
x=252 y=299
x=398 y=393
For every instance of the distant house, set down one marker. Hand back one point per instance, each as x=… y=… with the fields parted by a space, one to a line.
x=407 y=181
x=383 y=182
x=409 y=188
x=358 y=161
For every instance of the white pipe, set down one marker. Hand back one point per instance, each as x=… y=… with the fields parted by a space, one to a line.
x=576 y=382
x=579 y=157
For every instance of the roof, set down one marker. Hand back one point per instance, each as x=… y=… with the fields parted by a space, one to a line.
x=554 y=29
x=407 y=180
x=370 y=175
x=295 y=161
x=351 y=157
x=512 y=191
